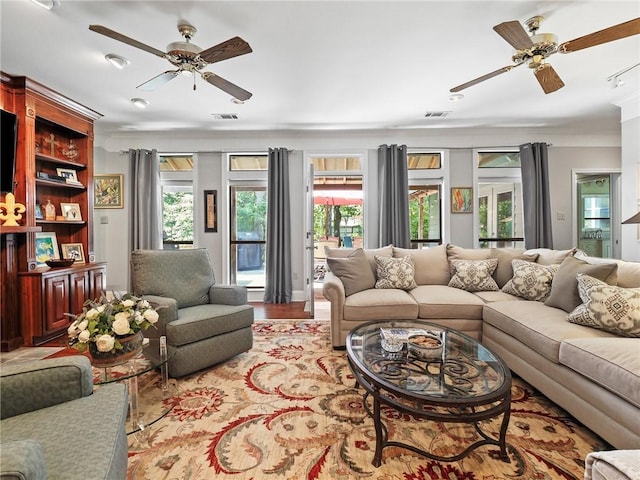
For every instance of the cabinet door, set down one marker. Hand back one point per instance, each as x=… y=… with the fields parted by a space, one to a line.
x=98 y=282
x=56 y=299
x=80 y=290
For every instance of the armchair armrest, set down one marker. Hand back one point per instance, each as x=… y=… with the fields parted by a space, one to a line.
x=228 y=295
x=39 y=384
x=167 y=309
x=22 y=460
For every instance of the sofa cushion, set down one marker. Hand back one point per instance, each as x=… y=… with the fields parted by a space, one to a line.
x=628 y=272
x=380 y=304
x=504 y=271
x=431 y=265
x=540 y=327
x=530 y=281
x=564 y=287
x=354 y=271
x=498 y=296
x=547 y=256
x=607 y=307
x=395 y=273
x=474 y=275
x=442 y=301
x=612 y=465
x=370 y=253
x=613 y=363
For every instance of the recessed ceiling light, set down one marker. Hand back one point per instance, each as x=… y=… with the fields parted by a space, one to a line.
x=117 y=61
x=140 y=102
x=48 y=4
x=237 y=101
x=456 y=97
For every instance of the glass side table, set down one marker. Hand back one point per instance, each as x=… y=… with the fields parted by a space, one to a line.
x=143 y=387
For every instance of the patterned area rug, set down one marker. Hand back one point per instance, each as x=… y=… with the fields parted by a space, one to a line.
x=288 y=410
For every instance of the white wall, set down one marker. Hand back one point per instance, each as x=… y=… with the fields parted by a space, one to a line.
x=630 y=179
x=569 y=150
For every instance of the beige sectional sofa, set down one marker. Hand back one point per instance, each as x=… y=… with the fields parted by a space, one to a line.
x=592 y=373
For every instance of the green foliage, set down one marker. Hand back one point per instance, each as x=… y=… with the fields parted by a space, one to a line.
x=177 y=216
x=251 y=212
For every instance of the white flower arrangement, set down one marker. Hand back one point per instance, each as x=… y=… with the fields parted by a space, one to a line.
x=104 y=321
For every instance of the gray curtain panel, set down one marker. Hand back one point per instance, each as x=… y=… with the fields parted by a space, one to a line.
x=145 y=222
x=393 y=184
x=536 y=201
x=278 y=288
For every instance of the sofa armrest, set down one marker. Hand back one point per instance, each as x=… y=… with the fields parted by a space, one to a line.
x=333 y=290
x=613 y=464
x=228 y=295
x=22 y=460
x=39 y=384
x=167 y=309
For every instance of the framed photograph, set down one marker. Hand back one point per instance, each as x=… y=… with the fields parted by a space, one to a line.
x=46 y=247
x=71 y=211
x=461 y=200
x=38 y=212
x=73 y=250
x=68 y=173
x=210 y=211
x=108 y=191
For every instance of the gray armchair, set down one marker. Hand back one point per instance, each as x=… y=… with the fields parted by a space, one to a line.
x=204 y=323
x=55 y=427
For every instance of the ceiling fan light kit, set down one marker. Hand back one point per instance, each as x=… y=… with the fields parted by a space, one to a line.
x=117 y=61
x=535 y=48
x=188 y=58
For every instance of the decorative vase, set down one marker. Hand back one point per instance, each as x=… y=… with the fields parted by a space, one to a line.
x=131 y=347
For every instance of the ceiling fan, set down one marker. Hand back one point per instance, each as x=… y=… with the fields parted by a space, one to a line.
x=189 y=58
x=533 y=50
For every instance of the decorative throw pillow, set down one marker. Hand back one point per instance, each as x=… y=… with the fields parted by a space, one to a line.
x=530 y=281
x=504 y=271
x=606 y=307
x=395 y=272
x=354 y=271
x=564 y=288
x=474 y=275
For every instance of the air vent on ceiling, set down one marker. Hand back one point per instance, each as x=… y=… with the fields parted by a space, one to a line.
x=225 y=116
x=436 y=114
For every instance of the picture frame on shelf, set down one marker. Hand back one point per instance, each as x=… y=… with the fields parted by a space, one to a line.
x=46 y=248
x=71 y=212
x=462 y=200
x=37 y=211
x=69 y=174
x=73 y=250
x=108 y=190
x=210 y=211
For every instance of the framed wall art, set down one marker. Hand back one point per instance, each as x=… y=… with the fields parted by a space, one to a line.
x=461 y=200
x=210 y=211
x=108 y=191
x=46 y=247
x=73 y=250
x=71 y=212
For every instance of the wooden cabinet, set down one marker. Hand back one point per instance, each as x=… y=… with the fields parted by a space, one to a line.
x=54 y=293
x=54 y=164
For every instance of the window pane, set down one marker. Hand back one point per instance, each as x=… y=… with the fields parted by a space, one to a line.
x=177 y=218
x=248 y=162
x=248 y=234
x=500 y=216
x=498 y=159
x=176 y=163
x=424 y=215
x=424 y=161
x=336 y=164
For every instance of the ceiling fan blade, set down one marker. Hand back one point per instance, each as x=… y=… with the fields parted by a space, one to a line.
x=124 y=39
x=514 y=33
x=616 y=32
x=233 y=47
x=548 y=79
x=475 y=81
x=226 y=86
x=159 y=80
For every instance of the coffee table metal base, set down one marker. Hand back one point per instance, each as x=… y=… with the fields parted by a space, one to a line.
x=467 y=415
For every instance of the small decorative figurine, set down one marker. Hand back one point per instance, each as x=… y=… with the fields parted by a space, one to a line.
x=13 y=211
x=49 y=211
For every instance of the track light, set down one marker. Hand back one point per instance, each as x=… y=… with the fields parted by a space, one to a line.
x=117 y=61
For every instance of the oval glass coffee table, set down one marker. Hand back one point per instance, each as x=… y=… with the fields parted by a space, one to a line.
x=146 y=393
x=466 y=383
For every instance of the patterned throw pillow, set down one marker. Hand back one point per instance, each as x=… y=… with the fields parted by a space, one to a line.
x=474 y=275
x=530 y=281
x=395 y=272
x=606 y=307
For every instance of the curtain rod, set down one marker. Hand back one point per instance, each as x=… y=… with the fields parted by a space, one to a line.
x=254 y=151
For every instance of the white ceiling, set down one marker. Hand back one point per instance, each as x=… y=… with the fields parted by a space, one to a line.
x=325 y=65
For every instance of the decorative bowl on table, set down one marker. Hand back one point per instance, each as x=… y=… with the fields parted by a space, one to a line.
x=60 y=262
x=425 y=346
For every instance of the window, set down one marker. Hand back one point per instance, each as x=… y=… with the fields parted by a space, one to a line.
x=426 y=178
x=176 y=174
x=248 y=162
x=424 y=161
x=248 y=235
x=499 y=216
